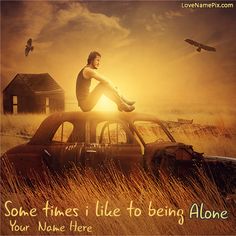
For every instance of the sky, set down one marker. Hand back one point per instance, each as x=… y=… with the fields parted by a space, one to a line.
x=141 y=43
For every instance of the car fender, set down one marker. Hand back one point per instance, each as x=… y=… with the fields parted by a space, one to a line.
x=23 y=165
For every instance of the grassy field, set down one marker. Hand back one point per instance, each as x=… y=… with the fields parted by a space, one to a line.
x=81 y=190
x=16 y=128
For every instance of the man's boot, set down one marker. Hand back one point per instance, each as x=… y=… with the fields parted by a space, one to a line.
x=131 y=103
x=116 y=90
x=125 y=107
x=119 y=100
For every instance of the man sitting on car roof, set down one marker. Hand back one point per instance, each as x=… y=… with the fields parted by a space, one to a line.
x=86 y=99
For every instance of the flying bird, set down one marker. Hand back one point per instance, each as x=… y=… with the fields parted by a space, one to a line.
x=28 y=47
x=200 y=46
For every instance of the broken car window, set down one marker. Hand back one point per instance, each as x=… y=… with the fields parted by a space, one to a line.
x=151 y=131
x=110 y=133
x=63 y=132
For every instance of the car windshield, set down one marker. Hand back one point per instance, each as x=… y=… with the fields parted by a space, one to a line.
x=151 y=131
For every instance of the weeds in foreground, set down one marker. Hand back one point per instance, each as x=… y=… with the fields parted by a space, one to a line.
x=94 y=190
x=80 y=189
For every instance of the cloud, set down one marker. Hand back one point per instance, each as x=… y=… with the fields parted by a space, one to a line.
x=159 y=22
x=59 y=30
x=64 y=32
x=27 y=21
x=75 y=22
x=18 y=28
x=36 y=17
x=78 y=12
x=148 y=27
x=173 y=14
x=47 y=22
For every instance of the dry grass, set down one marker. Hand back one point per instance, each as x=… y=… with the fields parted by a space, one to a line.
x=24 y=124
x=212 y=140
x=79 y=189
x=16 y=128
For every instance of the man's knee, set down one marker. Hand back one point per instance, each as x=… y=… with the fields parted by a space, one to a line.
x=85 y=107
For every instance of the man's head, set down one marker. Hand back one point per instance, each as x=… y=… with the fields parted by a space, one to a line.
x=94 y=59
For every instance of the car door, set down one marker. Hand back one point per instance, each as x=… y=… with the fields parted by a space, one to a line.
x=114 y=144
x=65 y=148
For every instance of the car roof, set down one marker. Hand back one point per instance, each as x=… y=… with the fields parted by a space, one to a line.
x=131 y=116
x=57 y=118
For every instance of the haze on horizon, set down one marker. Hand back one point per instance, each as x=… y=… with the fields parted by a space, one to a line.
x=142 y=46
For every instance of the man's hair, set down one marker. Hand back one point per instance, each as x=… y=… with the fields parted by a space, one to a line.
x=92 y=56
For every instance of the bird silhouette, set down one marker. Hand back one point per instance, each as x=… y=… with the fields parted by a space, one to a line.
x=28 y=47
x=200 y=46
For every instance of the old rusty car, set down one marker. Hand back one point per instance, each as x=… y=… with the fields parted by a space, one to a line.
x=130 y=140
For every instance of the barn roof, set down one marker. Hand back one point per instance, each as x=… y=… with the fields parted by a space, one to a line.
x=37 y=83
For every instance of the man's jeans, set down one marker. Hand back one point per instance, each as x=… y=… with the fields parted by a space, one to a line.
x=91 y=100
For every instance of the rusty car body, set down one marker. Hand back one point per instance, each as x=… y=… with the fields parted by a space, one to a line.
x=130 y=140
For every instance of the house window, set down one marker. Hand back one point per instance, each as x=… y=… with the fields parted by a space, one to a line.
x=15 y=104
x=47 y=105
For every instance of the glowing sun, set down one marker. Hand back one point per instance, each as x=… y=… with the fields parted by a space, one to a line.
x=105 y=104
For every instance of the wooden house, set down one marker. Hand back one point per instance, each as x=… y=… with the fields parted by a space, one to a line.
x=33 y=93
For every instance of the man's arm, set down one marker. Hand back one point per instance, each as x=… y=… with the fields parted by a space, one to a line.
x=90 y=73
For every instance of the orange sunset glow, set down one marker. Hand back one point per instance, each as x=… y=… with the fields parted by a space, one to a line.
x=142 y=47
x=118 y=117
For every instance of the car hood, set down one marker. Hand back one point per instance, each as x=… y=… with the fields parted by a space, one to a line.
x=220 y=159
x=166 y=145
x=179 y=150
x=16 y=149
x=23 y=149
